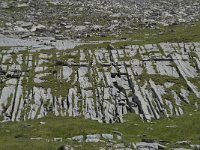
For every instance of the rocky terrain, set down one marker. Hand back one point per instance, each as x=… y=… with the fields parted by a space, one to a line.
x=101 y=84
x=69 y=19
x=105 y=60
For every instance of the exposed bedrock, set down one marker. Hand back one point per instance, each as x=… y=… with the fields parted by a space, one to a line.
x=101 y=84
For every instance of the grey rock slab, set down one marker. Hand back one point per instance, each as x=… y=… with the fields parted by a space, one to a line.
x=183 y=142
x=86 y=93
x=157 y=92
x=38 y=138
x=6 y=57
x=177 y=99
x=78 y=138
x=65 y=44
x=84 y=82
x=5 y=94
x=38 y=76
x=168 y=84
x=196 y=105
x=82 y=71
x=142 y=103
x=152 y=101
x=109 y=109
x=22 y=5
x=83 y=56
x=193 y=88
x=107 y=136
x=148 y=46
x=70 y=102
x=149 y=67
x=11 y=81
x=119 y=146
x=40 y=69
x=90 y=109
x=172 y=126
x=146 y=146
x=171 y=107
x=180 y=111
x=18 y=99
x=196 y=147
x=181 y=149
x=184 y=67
x=163 y=67
x=19 y=29
x=80 y=28
x=136 y=67
x=106 y=93
x=38 y=94
x=197 y=62
x=119 y=137
x=93 y=138
x=38 y=45
x=37 y=27
x=67 y=71
x=109 y=79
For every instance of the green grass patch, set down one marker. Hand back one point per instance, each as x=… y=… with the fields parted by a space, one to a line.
x=17 y=135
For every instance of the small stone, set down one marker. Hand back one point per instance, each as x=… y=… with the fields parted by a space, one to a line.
x=65 y=147
x=42 y=123
x=38 y=138
x=119 y=137
x=107 y=136
x=132 y=145
x=146 y=146
x=120 y=145
x=57 y=139
x=180 y=149
x=78 y=138
x=93 y=138
x=184 y=142
x=172 y=126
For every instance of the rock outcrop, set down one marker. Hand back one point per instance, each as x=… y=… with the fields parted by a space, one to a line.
x=99 y=84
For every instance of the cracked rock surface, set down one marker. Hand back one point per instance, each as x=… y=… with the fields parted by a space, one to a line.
x=103 y=85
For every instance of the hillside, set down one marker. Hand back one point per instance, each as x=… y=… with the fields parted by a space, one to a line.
x=99 y=74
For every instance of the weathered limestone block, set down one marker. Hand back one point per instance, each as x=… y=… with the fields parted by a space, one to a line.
x=7 y=95
x=93 y=138
x=164 y=68
x=67 y=71
x=146 y=146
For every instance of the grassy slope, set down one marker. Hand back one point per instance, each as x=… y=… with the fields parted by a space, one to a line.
x=17 y=135
x=176 y=33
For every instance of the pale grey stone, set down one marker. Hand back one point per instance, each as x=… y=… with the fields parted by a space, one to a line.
x=78 y=138
x=120 y=145
x=146 y=146
x=57 y=139
x=65 y=147
x=107 y=136
x=93 y=138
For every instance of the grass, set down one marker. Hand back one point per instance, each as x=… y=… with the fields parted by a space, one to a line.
x=176 y=33
x=17 y=135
